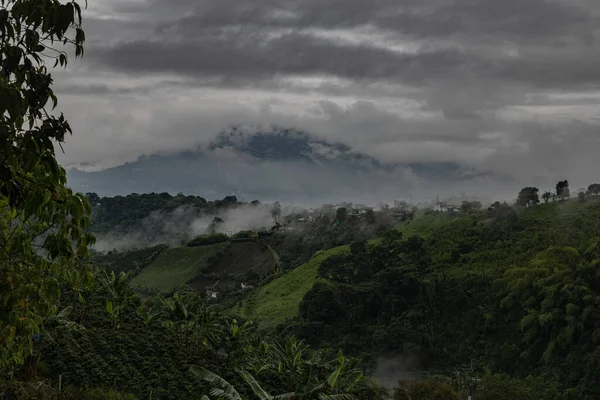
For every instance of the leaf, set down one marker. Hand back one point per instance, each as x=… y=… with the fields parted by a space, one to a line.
x=215 y=379
x=256 y=388
x=109 y=306
x=331 y=381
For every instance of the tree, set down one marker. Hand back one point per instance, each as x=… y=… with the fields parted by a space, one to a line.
x=117 y=294
x=276 y=211
x=594 y=189
x=42 y=223
x=528 y=196
x=547 y=196
x=370 y=217
x=341 y=214
x=559 y=295
x=470 y=206
x=340 y=378
x=562 y=190
x=215 y=224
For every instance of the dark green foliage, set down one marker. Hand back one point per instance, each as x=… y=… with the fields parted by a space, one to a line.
x=562 y=190
x=468 y=207
x=297 y=247
x=206 y=240
x=43 y=223
x=528 y=197
x=341 y=214
x=242 y=235
x=135 y=213
x=131 y=261
x=594 y=189
x=424 y=390
x=322 y=304
x=45 y=389
x=511 y=291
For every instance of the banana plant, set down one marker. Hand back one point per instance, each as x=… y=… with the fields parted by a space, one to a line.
x=223 y=390
x=346 y=375
x=117 y=294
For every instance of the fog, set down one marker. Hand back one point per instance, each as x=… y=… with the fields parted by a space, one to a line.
x=184 y=223
x=390 y=370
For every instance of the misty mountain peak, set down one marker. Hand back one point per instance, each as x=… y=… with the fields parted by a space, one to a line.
x=275 y=143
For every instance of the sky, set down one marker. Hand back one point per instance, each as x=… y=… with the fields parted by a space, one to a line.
x=509 y=86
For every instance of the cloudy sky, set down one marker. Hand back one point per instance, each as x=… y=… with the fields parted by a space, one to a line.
x=511 y=86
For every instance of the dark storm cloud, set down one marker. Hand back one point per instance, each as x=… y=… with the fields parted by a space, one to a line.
x=248 y=54
x=547 y=44
x=484 y=82
x=433 y=18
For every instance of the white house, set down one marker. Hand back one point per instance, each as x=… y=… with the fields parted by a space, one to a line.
x=440 y=206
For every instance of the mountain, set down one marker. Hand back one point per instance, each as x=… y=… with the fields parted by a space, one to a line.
x=280 y=164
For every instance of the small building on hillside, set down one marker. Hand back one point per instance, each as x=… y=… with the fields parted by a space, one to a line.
x=440 y=206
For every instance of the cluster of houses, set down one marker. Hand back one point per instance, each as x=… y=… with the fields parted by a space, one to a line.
x=442 y=206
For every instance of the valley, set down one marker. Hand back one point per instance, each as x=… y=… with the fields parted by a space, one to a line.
x=299 y=200
x=440 y=289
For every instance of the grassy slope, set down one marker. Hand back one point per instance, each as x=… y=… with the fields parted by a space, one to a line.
x=177 y=266
x=424 y=225
x=279 y=299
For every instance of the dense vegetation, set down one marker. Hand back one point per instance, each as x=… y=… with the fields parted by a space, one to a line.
x=504 y=303
x=513 y=292
x=125 y=214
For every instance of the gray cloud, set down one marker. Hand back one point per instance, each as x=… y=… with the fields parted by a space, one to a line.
x=490 y=84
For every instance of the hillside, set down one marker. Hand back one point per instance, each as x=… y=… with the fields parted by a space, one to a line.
x=425 y=224
x=244 y=261
x=177 y=266
x=220 y=265
x=502 y=289
x=279 y=299
x=506 y=295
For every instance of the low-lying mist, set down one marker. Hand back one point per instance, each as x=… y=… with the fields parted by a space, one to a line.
x=184 y=223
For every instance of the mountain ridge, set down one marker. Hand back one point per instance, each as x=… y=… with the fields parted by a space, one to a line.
x=267 y=164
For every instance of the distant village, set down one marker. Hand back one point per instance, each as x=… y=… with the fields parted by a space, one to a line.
x=401 y=210
x=292 y=219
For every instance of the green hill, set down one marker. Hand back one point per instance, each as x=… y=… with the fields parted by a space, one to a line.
x=279 y=299
x=245 y=261
x=131 y=260
x=427 y=223
x=177 y=266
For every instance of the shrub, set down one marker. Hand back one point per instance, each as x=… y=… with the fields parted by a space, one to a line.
x=205 y=240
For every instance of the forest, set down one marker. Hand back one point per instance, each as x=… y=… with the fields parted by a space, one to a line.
x=487 y=303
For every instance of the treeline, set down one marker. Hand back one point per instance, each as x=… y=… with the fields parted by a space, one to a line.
x=529 y=196
x=125 y=213
x=295 y=247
